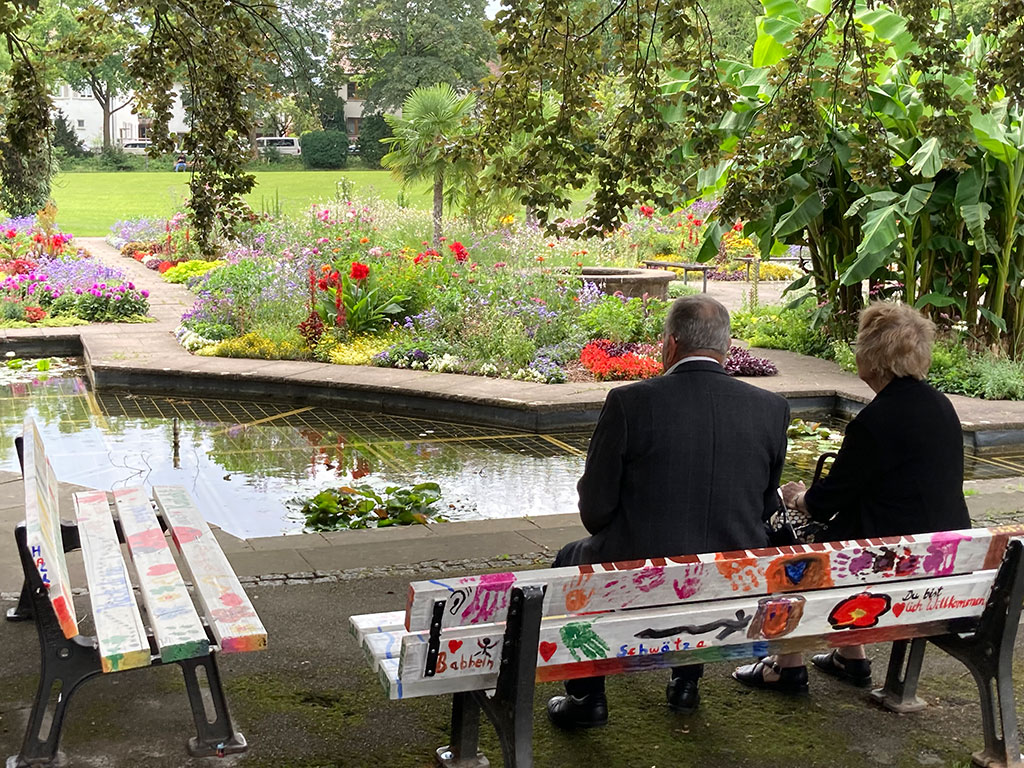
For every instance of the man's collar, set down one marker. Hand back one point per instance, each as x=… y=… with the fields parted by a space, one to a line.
x=691 y=359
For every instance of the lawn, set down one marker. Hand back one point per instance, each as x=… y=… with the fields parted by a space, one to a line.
x=88 y=203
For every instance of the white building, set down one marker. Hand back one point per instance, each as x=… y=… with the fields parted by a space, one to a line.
x=86 y=117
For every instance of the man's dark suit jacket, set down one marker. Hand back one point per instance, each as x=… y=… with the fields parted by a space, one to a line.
x=900 y=469
x=681 y=464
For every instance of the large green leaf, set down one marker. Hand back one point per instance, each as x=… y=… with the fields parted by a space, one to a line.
x=889 y=27
x=927 y=161
x=884 y=196
x=975 y=217
x=772 y=34
x=785 y=8
x=805 y=211
x=991 y=134
x=917 y=198
x=712 y=239
x=937 y=300
x=880 y=238
x=969 y=187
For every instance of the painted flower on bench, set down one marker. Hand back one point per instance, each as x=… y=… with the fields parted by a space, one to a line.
x=860 y=611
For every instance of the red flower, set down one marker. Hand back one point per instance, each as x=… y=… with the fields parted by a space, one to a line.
x=459 y=251
x=859 y=611
x=698 y=222
x=34 y=314
x=737 y=227
x=38 y=238
x=646 y=211
x=418 y=259
x=11 y=234
x=359 y=271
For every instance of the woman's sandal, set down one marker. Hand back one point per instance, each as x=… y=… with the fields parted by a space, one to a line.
x=854 y=671
x=791 y=679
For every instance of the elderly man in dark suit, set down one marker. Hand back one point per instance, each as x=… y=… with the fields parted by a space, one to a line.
x=685 y=463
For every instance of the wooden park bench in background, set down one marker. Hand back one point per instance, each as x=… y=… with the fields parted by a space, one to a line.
x=171 y=632
x=487 y=639
x=685 y=266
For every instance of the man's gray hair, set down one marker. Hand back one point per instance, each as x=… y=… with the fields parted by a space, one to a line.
x=699 y=322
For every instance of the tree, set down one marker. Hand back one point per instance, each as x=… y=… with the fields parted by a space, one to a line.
x=93 y=57
x=372 y=130
x=394 y=46
x=65 y=137
x=428 y=142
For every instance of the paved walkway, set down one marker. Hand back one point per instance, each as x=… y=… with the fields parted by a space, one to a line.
x=146 y=357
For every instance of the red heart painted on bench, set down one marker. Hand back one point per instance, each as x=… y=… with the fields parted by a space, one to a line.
x=454 y=645
x=897 y=609
x=547 y=650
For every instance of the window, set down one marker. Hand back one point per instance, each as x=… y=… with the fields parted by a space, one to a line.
x=352 y=127
x=81 y=125
x=351 y=91
x=83 y=94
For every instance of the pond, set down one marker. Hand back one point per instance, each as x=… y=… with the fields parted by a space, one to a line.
x=244 y=461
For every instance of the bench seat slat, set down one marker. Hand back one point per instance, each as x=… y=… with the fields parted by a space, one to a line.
x=120 y=632
x=383 y=645
x=696 y=578
x=176 y=626
x=228 y=609
x=836 y=616
x=42 y=528
x=371 y=623
x=395 y=688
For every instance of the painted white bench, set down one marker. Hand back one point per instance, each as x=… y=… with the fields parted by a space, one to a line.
x=487 y=639
x=167 y=630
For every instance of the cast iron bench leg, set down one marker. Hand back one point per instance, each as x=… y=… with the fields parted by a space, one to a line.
x=464 y=750
x=216 y=734
x=510 y=709
x=64 y=665
x=988 y=654
x=900 y=691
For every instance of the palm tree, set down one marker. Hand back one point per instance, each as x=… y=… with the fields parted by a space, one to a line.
x=425 y=144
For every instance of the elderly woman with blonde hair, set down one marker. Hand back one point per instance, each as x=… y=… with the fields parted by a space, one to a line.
x=899 y=471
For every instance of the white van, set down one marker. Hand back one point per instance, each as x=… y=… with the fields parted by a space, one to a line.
x=135 y=146
x=286 y=145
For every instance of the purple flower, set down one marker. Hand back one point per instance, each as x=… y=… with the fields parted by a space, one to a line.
x=145 y=294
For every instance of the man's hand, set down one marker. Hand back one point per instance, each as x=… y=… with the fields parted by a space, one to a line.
x=792 y=494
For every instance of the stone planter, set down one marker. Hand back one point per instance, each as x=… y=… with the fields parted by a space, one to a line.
x=633 y=283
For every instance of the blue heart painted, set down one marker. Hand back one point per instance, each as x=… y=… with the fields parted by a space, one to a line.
x=795 y=571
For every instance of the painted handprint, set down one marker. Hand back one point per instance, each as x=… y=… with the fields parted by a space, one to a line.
x=941 y=557
x=687 y=586
x=490 y=596
x=742 y=573
x=579 y=637
x=576 y=593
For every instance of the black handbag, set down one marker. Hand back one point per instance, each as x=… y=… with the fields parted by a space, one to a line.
x=781 y=532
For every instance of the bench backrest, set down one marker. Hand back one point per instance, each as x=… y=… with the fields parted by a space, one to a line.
x=42 y=524
x=613 y=617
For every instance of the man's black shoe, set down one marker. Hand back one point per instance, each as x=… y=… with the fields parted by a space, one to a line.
x=570 y=713
x=683 y=695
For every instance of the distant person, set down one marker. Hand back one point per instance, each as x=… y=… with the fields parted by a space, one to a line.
x=181 y=163
x=900 y=470
x=685 y=463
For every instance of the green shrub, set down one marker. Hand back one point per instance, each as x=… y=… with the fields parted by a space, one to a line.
x=678 y=288
x=371 y=130
x=773 y=327
x=324 y=149
x=187 y=269
x=624 y=320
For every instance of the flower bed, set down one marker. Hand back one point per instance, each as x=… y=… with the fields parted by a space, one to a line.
x=45 y=280
x=355 y=283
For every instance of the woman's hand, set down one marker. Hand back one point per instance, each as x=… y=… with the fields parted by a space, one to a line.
x=793 y=495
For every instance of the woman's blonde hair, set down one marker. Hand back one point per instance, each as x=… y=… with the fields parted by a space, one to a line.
x=894 y=339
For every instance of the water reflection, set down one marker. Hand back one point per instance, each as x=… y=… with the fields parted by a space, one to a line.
x=243 y=460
